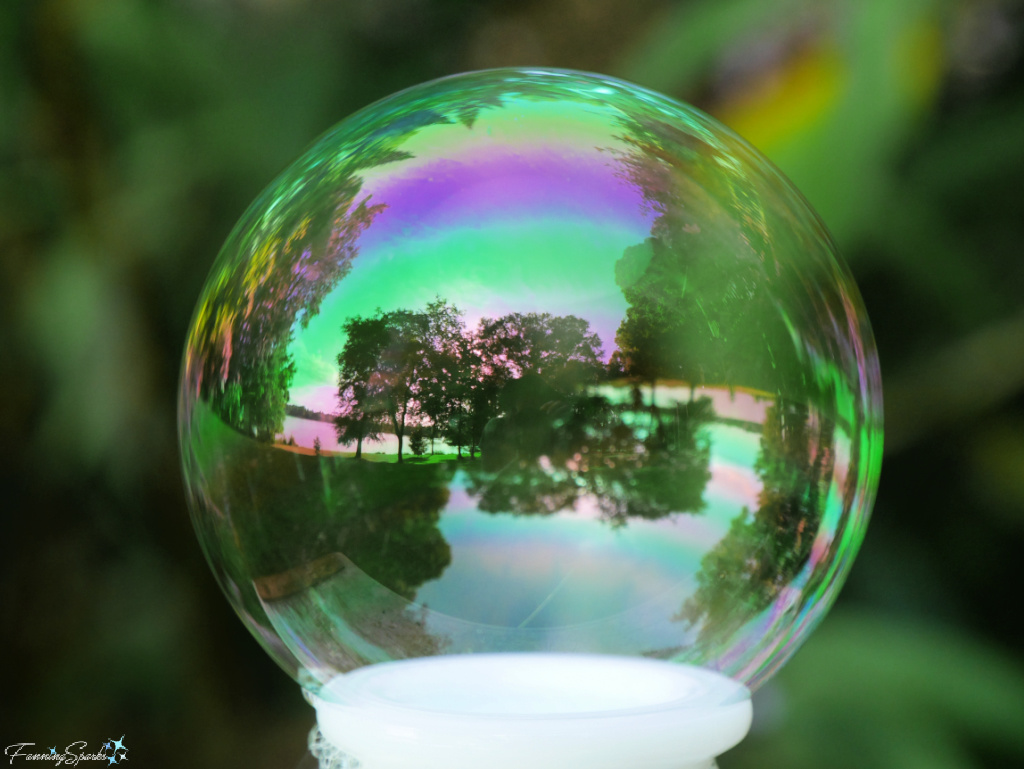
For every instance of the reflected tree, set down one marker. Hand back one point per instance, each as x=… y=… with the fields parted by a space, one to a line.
x=361 y=415
x=561 y=349
x=383 y=517
x=238 y=354
x=549 y=452
x=298 y=241
x=763 y=552
x=379 y=370
x=386 y=521
x=700 y=297
x=400 y=367
x=450 y=375
x=360 y=418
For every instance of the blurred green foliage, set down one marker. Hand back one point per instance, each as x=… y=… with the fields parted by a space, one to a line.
x=132 y=135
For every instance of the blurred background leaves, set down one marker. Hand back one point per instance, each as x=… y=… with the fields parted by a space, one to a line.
x=133 y=133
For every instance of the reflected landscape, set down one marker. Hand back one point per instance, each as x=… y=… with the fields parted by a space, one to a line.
x=530 y=361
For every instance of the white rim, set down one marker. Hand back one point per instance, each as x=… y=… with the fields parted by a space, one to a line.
x=511 y=711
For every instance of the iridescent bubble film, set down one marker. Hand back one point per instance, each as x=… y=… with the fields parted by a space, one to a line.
x=530 y=360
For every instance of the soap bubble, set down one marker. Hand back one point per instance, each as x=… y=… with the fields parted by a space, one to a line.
x=530 y=361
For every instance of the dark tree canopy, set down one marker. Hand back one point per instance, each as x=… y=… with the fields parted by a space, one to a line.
x=378 y=372
x=561 y=349
x=361 y=415
x=700 y=289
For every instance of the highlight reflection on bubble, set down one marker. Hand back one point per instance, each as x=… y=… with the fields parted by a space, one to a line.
x=520 y=361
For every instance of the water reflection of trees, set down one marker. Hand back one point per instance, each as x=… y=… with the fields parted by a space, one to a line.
x=764 y=551
x=552 y=452
x=383 y=517
x=336 y=557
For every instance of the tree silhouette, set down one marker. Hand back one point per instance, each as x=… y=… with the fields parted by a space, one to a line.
x=380 y=368
x=400 y=367
x=695 y=316
x=521 y=387
x=424 y=365
x=561 y=349
x=255 y=399
x=275 y=273
x=362 y=410
x=449 y=375
x=359 y=420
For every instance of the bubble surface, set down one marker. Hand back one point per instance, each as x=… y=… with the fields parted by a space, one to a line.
x=530 y=360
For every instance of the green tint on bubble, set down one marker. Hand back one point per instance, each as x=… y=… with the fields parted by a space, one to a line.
x=530 y=361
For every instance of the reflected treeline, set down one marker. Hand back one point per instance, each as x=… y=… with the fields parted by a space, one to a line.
x=523 y=390
x=402 y=367
x=703 y=308
x=335 y=549
x=280 y=264
x=304 y=509
x=237 y=357
x=763 y=552
x=701 y=302
x=699 y=305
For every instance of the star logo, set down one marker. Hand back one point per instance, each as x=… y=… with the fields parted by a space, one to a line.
x=112 y=759
x=119 y=744
x=53 y=751
x=106 y=745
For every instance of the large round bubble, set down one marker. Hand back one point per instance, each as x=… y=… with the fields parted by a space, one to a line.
x=530 y=360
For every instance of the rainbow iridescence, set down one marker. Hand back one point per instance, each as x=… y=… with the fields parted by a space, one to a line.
x=530 y=360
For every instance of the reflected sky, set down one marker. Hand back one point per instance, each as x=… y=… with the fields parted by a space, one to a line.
x=490 y=228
